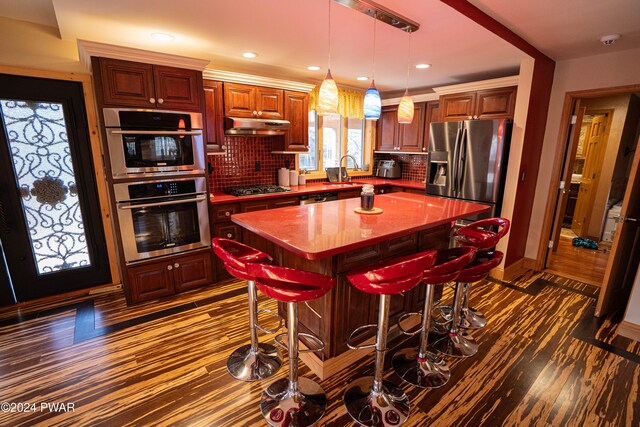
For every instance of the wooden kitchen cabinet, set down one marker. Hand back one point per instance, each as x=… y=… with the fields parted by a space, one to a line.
x=484 y=104
x=431 y=114
x=395 y=137
x=296 y=110
x=214 y=117
x=133 y=84
x=253 y=101
x=170 y=275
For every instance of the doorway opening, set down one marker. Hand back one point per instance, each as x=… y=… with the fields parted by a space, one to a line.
x=600 y=143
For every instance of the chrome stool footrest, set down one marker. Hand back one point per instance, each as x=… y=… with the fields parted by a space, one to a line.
x=355 y=332
x=269 y=331
x=406 y=316
x=316 y=341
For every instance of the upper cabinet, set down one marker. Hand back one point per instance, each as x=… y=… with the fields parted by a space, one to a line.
x=484 y=104
x=133 y=84
x=253 y=101
x=396 y=137
x=213 y=116
x=296 y=110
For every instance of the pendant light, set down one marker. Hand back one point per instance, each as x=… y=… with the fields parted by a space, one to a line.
x=328 y=94
x=372 y=102
x=405 y=109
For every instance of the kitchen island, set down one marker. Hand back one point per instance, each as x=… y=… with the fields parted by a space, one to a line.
x=332 y=239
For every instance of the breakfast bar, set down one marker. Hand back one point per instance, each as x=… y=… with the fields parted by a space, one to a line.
x=332 y=239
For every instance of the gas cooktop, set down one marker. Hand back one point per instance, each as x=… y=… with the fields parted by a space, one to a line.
x=255 y=189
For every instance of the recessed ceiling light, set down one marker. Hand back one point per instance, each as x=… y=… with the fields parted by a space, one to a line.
x=162 y=37
x=249 y=55
x=313 y=68
x=362 y=78
x=423 y=66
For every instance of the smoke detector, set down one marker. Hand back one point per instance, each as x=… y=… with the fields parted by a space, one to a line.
x=610 y=39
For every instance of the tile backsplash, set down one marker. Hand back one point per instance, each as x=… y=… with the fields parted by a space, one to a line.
x=414 y=166
x=248 y=161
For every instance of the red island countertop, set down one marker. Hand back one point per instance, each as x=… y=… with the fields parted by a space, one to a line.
x=324 y=229
x=218 y=197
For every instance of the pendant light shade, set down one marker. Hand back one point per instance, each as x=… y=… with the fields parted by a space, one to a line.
x=328 y=96
x=372 y=103
x=405 y=109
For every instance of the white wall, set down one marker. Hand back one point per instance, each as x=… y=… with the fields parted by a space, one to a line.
x=600 y=71
x=633 y=308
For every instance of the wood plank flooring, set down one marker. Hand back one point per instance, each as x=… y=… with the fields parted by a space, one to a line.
x=586 y=265
x=544 y=360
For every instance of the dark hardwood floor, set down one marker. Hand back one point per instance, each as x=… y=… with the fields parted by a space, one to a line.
x=544 y=360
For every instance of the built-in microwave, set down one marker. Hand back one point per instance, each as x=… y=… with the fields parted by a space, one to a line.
x=150 y=143
x=162 y=217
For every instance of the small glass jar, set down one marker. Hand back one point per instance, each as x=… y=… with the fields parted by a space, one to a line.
x=366 y=197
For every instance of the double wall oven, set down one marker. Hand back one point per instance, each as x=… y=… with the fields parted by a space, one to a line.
x=159 y=183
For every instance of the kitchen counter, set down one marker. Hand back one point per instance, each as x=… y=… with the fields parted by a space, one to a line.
x=325 y=229
x=219 y=197
x=330 y=238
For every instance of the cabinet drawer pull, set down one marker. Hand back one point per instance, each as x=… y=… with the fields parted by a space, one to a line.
x=227 y=213
x=160 y=100
x=229 y=235
x=169 y=267
x=152 y=100
x=176 y=265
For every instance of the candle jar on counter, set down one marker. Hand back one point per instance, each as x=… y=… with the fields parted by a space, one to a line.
x=366 y=197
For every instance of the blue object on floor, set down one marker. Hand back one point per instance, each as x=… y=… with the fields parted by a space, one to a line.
x=581 y=242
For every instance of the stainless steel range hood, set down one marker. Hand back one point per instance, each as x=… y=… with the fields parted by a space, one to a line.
x=240 y=126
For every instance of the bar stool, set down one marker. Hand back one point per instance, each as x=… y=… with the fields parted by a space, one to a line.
x=292 y=401
x=254 y=361
x=372 y=401
x=418 y=366
x=458 y=343
x=480 y=235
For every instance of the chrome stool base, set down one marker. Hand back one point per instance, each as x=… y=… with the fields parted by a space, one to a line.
x=471 y=318
x=458 y=344
x=430 y=372
x=281 y=406
x=246 y=364
x=389 y=407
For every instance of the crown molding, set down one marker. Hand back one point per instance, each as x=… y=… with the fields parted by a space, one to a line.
x=233 y=77
x=87 y=49
x=422 y=97
x=480 y=85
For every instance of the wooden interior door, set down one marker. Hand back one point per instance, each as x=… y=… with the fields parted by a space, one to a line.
x=594 y=151
x=563 y=197
x=625 y=251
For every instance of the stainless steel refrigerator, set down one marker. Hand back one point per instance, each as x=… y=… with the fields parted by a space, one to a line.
x=468 y=161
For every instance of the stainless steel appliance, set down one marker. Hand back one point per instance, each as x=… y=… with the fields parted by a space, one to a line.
x=308 y=199
x=162 y=217
x=148 y=143
x=238 y=126
x=255 y=189
x=389 y=169
x=468 y=161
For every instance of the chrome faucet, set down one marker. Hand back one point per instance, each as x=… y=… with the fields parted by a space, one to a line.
x=355 y=167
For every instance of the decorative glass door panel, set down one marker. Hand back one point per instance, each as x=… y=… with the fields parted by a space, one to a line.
x=37 y=137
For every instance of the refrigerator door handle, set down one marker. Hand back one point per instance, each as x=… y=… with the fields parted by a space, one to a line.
x=462 y=158
x=456 y=156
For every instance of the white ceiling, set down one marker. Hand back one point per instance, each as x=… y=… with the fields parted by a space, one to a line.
x=290 y=35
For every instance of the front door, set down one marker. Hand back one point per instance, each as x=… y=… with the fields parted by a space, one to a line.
x=51 y=231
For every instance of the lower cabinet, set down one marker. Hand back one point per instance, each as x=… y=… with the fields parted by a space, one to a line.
x=169 y=275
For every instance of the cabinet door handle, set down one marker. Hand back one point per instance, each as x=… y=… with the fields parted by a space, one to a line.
x=169 y=267
x=229 y=235
x=259 y=113
x=176 y=265
x=227 y=213
x=255 y=113
x=152 y=100
x=160 y=100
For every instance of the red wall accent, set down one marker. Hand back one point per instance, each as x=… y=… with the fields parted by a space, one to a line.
x=534 y=132
x=414 y=166
x=238 y=166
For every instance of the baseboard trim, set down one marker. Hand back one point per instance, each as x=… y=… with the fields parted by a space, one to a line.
x=514 y=270
x=629 y=330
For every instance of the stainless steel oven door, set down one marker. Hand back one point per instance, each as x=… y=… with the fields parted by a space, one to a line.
x=163 y=226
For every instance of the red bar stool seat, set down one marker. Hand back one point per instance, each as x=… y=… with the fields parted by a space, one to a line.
x=482 y=235
x=292 y=401
x=372 y=401
x=418 y=366
x=458 y=343
x=254 y=361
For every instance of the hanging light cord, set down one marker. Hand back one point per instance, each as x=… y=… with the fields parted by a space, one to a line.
x=409 y=59
x=329 y=35
x=375 y=18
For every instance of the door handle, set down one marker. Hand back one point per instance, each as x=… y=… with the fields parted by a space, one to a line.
x=623 y=218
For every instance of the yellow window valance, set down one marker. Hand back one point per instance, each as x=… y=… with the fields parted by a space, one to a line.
x=350 y=102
